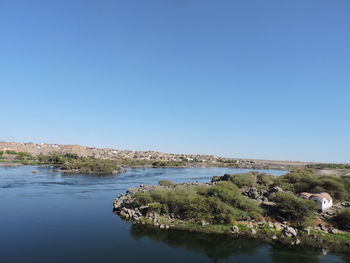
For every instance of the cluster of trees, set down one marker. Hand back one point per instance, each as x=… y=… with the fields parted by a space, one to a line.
x=329 y=166
x=74 y=163
x=68 y=162
x=305 y=180
x=221 y=203
x=251 y=179
x=168 y=163
x=342 y=219
x=22 y=157
x=153 y=163
x=296 y=210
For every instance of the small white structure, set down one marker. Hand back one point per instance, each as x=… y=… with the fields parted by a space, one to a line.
x=324 y=200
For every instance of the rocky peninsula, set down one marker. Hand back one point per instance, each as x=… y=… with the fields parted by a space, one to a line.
x=253 y=205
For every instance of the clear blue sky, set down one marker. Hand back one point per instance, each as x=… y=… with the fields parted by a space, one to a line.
x=258 y=79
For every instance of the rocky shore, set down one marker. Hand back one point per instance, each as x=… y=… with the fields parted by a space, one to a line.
x=321 y=236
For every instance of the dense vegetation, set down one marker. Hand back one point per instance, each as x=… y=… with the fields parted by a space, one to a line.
x=251 y=179
x=153 y=163
x=223 y=202
x=305 y=180
x=296 y=210
x=220 y=203
x=67 y=162
x=329 y=166
x=229 y=203
x=74 y=163
x=342 y=219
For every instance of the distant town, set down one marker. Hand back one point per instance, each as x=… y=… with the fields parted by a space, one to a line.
x=147 y=158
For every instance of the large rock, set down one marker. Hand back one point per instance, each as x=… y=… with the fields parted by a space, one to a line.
x=333 y=230
x=323 y=227
x=290 y=232
x=278 y=226
x=256 y=194
x=275 y=189
x=235 y=229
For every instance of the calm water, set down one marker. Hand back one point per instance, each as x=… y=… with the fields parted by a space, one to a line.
x=49 y=217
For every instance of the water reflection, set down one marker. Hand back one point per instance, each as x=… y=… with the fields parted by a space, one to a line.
x=226 y=248
x=216 y=247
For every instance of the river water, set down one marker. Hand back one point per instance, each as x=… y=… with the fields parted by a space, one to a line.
x=49 y=217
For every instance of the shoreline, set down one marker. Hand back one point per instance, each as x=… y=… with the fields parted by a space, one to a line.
x=5 y=163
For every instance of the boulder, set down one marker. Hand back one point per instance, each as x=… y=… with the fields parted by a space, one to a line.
x=307 y=230
x=290 y=232
x=203 y=223
x=323 y=227
x=275 y=189
x=235 y=229
x=333 y=230
x=261 y=222
x=278 y=226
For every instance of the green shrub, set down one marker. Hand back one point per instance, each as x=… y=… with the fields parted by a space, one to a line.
x=342 y=219
x=168 y=163
x=264 y=180
x=329 y=166
x=220 y=203
x=241 y=180
x=24 y=156
x=305 y=180
x=10 y=152
x=166 y=183
x=294 y=209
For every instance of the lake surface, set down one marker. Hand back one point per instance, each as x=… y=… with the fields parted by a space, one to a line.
x=49 y=217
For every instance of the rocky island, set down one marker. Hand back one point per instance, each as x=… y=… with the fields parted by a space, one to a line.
x=255 y=204
x=66 y=162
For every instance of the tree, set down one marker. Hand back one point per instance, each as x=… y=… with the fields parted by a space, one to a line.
x=342 y=219
x=294 y=209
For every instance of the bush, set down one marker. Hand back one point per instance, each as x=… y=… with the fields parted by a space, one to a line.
x=305 y=180
x=168 y=163
x=241 y=180
x=166 y=183
x=90 y=165
x=220 y=203
x=265 y=180
x=342 y=219
x=294 y=209
x=75 y=163
x=24 y=156
x=10 y=152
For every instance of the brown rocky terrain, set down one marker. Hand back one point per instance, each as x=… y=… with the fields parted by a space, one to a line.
x=116 y=154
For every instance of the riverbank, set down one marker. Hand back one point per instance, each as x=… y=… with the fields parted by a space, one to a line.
x=129 y=158
x=222 y=208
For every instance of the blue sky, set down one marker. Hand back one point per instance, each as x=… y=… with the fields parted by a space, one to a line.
x=255 y=79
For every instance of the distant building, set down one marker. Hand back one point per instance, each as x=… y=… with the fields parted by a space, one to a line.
x=324 y=200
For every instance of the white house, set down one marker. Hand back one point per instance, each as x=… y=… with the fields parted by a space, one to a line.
x=324 y=200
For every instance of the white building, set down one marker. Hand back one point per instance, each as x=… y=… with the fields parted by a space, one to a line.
x=324 y=200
